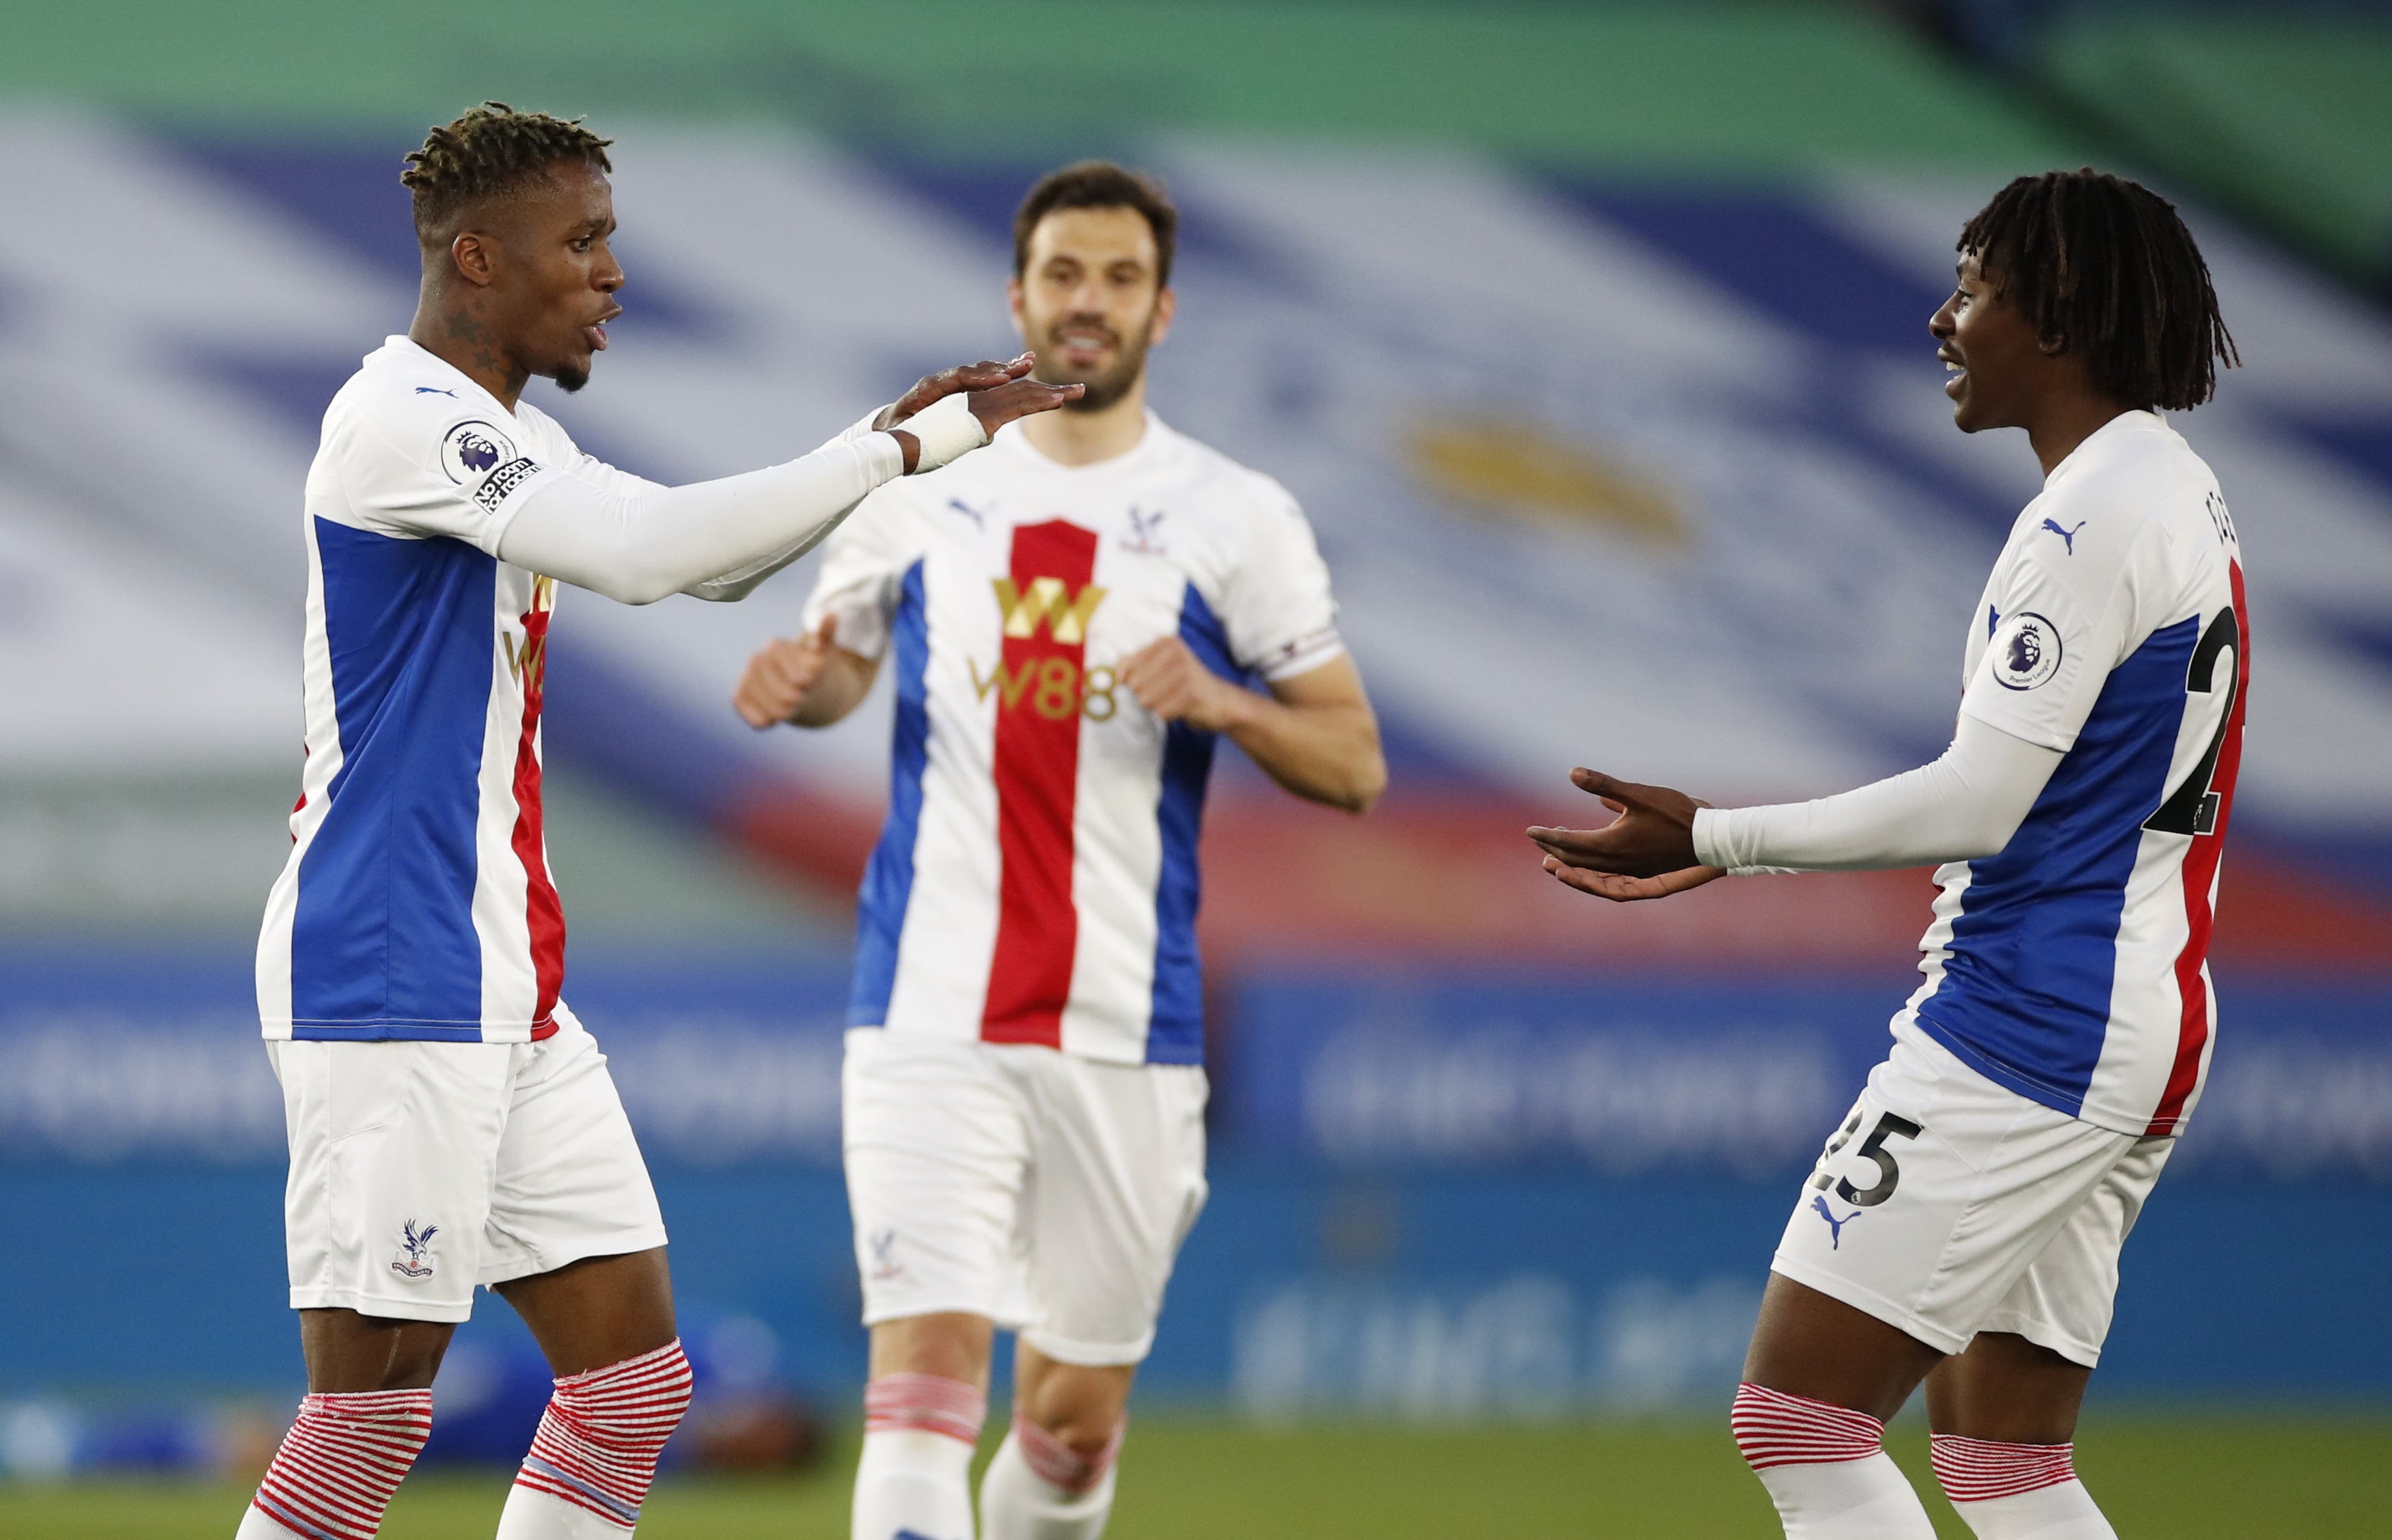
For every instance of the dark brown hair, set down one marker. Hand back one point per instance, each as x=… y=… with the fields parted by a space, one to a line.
x=1100 y=185
x=2106 y=268
x=491 y=150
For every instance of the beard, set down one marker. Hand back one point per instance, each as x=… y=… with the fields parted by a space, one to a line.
x=570 y=378
x=1104 y=386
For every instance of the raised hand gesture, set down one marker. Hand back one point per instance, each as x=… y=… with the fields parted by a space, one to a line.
x=1646 y=852
x=994 y=393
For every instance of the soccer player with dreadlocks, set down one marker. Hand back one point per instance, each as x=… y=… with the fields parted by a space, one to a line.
x=1964 y=1223
x=451 y=1124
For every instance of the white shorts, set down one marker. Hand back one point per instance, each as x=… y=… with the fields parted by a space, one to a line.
x=1044 y=1191
x=1948 y=1204
x=419 y=1170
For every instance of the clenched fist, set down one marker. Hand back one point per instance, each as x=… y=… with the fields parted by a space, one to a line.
x=781 y=673
x=1169 y=680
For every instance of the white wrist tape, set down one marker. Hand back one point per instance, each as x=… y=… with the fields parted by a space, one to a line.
x=868 y=423
x=947 y=429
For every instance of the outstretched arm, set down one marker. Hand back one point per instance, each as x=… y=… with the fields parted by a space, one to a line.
x=728 y=535
x=1965 y=805
x=1315 y=733
x=639 y=548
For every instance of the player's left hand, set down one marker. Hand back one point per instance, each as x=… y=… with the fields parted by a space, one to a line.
x=1629 y=890
x=1170 y=681
x=1653 y=835
x=985 y=375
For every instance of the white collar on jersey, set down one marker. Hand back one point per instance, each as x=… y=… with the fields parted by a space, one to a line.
x=2134 y=419
x=416 y=355
x=1151 y=444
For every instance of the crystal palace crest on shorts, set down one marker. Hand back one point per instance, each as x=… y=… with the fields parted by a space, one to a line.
x=414 y=1258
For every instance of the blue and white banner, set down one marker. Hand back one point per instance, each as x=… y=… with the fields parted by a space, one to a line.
x=735 y=1059
x=1730 y=1078
x=718 y=1059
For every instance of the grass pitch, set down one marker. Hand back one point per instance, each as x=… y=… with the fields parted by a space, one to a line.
x=1186 y=1477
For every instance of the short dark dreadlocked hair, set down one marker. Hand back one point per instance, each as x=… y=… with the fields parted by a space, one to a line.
x=490 y=151
x=1100 y=185
x=2105 y=267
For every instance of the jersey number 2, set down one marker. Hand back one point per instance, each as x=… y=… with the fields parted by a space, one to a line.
x=2191 y=809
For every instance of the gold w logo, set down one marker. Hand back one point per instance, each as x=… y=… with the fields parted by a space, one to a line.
x=532 y=657
x=1067 y=617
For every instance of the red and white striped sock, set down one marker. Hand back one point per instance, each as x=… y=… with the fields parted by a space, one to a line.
x=595 y=1454
x=1040 y=1488
x=338 y=1465
x=1826 y=1468
x=914 y=1476
x=928 y=1402
x=2017 y=1491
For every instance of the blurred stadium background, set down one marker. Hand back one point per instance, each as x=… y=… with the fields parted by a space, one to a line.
x=1592 y=337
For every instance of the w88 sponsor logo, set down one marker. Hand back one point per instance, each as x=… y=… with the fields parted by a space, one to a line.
x=1053 y=687
x=1052 y=680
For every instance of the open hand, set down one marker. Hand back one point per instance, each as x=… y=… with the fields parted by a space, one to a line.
x=1171 y=682
x=1001 y=393
x=781 y=673
x=1653 y=835
x=1629 y=890
x=985 y=375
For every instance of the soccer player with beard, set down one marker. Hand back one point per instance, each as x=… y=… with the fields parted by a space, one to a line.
x=451 y=1124
x=1963 y=1225
x=1075 y=618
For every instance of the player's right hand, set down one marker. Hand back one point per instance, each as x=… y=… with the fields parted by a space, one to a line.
x=781 y=673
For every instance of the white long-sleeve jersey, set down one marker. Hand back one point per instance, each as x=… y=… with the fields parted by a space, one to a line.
x=2070 y=960
x=416 y=902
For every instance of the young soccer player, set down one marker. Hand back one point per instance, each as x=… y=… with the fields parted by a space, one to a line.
x=1964 y=1223
x=1073 y=617
x=451 y=1122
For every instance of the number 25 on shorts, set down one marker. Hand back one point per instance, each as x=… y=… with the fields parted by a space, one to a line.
x=1873 y=1149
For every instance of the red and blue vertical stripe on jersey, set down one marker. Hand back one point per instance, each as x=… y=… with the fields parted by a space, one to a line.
x=2208 y=830
x=383 y=942
x=1038 y=768
x=544 y=915
x=1175 y=1032
x=888 y=877
x=2033 y=957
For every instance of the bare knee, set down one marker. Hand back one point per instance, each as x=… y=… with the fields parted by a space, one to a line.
x=1080 y=1405
x=1808 y=1345
x=598 y=1311
x=949 y=1344
x=2007 y=1390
